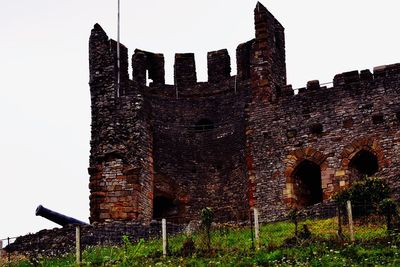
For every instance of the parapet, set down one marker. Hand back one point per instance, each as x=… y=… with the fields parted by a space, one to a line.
x=380 y=72
x=268 y=46
x=313 y=85
x=346 y=78
x=185 y=70
x=103 y=60
x=243 y=62
x=351 y=79
x=268 y=53
x=266 y=25
x=218 y=66
x=387 y=71
x=152 y=63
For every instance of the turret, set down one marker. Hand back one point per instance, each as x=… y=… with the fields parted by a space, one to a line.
x=262 y=61
x=103 y=64
x=268 y=67
x=120 y=156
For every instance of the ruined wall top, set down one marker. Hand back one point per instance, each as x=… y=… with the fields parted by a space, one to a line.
x=348 y=80
x=268 y=48
x=148 y=68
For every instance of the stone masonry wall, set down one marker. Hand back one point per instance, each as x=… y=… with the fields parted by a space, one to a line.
x=327 y=126
x=199 y=149
x=60 y=241
x=121 y=156
x=267 y=70
x=236 y=142
x=173 y=149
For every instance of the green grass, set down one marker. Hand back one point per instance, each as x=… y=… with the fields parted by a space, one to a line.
x=233 y=247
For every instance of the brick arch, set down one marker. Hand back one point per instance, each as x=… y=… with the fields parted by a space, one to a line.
x=350 y=151
x=294 y=160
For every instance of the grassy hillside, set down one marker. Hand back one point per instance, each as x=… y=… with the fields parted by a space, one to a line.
x=232 y=246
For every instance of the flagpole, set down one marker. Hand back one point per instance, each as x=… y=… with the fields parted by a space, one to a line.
x=118 y=52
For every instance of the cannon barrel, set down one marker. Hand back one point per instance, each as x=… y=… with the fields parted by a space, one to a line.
x=56 y=217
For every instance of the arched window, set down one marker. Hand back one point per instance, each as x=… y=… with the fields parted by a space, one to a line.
x=203 y=125
x=307 y=184
x=364 y=163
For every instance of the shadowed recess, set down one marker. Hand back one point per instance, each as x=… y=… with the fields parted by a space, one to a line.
x=307 y=179
x=364 y=163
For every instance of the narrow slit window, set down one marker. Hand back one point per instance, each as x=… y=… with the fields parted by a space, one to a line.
x=203 y=125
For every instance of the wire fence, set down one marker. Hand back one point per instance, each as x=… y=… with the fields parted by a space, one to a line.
x=250 y=230
x=5 y=257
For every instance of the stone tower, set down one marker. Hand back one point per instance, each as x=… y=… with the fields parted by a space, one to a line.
x=233 y=142
x=170 y=150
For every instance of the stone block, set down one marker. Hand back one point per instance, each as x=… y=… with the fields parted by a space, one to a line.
x=340 y=173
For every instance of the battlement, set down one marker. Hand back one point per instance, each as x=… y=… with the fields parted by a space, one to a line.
x=351 y=79
x=103 y=62
x=149 y=65
x=152 y=63
x=268 y=46
x=219 y=66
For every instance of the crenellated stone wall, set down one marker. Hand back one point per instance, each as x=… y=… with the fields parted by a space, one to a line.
x=234 y=142
x=330 y=127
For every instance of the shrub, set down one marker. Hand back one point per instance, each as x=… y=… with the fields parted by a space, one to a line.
x=369 y=191
x=188 y=247
x=388 y=208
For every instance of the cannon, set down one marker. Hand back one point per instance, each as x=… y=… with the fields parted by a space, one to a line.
x=56 y=217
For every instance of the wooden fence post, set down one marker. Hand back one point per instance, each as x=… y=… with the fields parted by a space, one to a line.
x=257 y=228
x=78 y=245
x=251 y=230
x=339 y=221
x=351 y=224
x=164 y=236
x=1 y=252
x=8 y=253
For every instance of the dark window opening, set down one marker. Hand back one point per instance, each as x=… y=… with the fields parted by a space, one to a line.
x=203 y=125
x=348 y=123
x=219 y=165
x=266 y=135
x=291 y=133
x=364 y=163
x=164 y=207
x=377 y=119
x=398 y=115
x=316 y=128
x=367 y=106
x=307 y=184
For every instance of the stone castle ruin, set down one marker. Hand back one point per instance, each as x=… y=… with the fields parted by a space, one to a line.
x=235 y=141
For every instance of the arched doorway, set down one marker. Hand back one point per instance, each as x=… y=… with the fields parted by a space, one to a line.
x=165 y=203
x=164 y=207
x=307 y=184
x=363 y=163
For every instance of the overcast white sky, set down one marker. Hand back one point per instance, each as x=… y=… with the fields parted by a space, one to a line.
x=44 y=94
